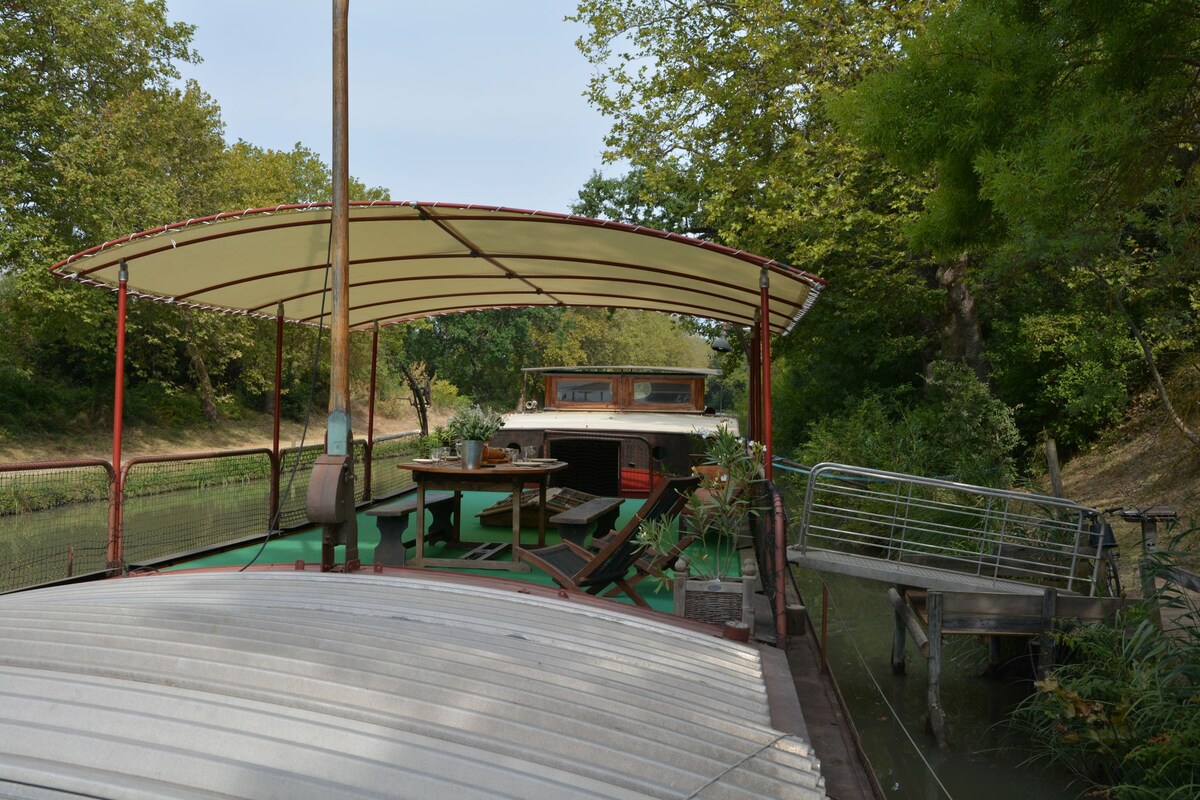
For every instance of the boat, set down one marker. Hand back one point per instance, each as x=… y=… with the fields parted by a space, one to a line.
x=331 y=677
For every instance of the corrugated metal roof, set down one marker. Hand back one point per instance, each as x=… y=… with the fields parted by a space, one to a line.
x=295 y=685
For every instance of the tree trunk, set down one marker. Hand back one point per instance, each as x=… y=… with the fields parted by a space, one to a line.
x=208 y=403
x=419 y=400
x=962 y=339
x=1191 y=434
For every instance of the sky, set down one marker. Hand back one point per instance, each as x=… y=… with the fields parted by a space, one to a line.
x=464 y=101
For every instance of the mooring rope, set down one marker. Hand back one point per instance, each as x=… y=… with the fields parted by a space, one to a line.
x=749 y=756
x=895 y=716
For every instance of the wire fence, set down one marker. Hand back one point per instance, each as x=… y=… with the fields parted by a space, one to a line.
x=386 y=453
x=56 y=518
x=182 y=504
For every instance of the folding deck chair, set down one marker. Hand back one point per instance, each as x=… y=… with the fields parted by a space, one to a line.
x=574 y=567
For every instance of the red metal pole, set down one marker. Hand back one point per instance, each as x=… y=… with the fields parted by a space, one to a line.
x=781 y=563
x=339 y=437
x=764 y=328
x=116 y=501
x=779 y=580
x=276 y=472
x=753 y=411
x=371 y=413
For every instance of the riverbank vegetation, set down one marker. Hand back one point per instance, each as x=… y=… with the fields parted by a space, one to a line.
x=1122 y=713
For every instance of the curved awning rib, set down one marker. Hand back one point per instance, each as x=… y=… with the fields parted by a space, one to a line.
x=413 y=260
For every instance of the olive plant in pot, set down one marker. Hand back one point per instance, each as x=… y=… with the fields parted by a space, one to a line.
x=715 y=520
x=472 y=427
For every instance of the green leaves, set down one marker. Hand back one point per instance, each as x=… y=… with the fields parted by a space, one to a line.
x=1122 y=711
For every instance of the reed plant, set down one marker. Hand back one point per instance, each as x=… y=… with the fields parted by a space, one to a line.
x=1123 y=713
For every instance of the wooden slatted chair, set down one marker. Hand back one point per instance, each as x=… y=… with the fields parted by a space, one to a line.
x=574 y=567
x=651 y=563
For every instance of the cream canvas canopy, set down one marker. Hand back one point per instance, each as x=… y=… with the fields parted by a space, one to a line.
x=413 y=260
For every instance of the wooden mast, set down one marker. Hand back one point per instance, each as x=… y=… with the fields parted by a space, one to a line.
x=338 y=430
x=331 y=494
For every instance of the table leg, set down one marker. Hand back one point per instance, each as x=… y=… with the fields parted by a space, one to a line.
x=457 y=518
x=516 y=517
x=419 y=554
x=542 y=511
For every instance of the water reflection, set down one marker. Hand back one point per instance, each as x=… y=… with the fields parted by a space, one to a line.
x=889 y=710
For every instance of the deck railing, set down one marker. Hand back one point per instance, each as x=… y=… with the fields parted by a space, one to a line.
x=71 y=502
x=60 y=520
x=972 y=530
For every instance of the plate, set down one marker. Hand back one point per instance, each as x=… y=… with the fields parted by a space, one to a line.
x=423 y=461
x=543 y=460
x=526 y=463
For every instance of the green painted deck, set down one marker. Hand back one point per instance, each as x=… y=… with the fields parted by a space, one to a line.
x=305 y=545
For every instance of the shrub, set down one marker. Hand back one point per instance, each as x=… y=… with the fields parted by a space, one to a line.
x=1123 y=713
x=954 y=429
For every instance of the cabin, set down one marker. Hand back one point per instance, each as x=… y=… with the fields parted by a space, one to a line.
x=621 y=425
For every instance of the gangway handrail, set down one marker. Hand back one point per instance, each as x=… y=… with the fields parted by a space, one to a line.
x=986 y=532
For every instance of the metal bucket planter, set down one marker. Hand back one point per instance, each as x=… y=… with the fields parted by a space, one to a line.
x=471 y=452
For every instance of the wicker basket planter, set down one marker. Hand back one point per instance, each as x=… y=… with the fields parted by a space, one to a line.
x=717 y=601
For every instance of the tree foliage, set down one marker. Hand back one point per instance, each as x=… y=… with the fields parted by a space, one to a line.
x=1003 y=182
x=726 y=106
x=1063 y=138
x=97 y=141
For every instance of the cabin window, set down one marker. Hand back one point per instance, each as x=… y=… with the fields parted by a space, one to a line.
x=586 y=390
x=657 y=392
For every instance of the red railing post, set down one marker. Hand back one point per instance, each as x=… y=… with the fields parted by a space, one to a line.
x=754 y=408
x=115 y=552
x=273 y=518
x=370 y=449
x=764 y=327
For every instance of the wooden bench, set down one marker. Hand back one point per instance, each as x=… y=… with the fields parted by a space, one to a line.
x=392 y=521
x=596 y=516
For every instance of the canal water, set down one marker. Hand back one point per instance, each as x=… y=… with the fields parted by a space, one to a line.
x=889 y=711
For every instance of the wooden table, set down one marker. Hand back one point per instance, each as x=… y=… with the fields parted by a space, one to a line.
x=492 y=478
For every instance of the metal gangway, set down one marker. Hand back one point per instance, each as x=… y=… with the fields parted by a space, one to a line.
x=941 y=535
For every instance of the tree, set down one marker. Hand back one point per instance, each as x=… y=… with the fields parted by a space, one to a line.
x=62 y=63
x=723 y=107
x=96 y=142
x=1064 y=137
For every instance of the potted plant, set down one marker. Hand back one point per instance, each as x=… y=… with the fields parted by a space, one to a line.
x=472 y=427
x=443 y=436
x=717 y=516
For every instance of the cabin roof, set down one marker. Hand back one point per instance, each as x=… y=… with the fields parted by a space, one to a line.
x=309 y=685
x=627 y=370
x=413 y=260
